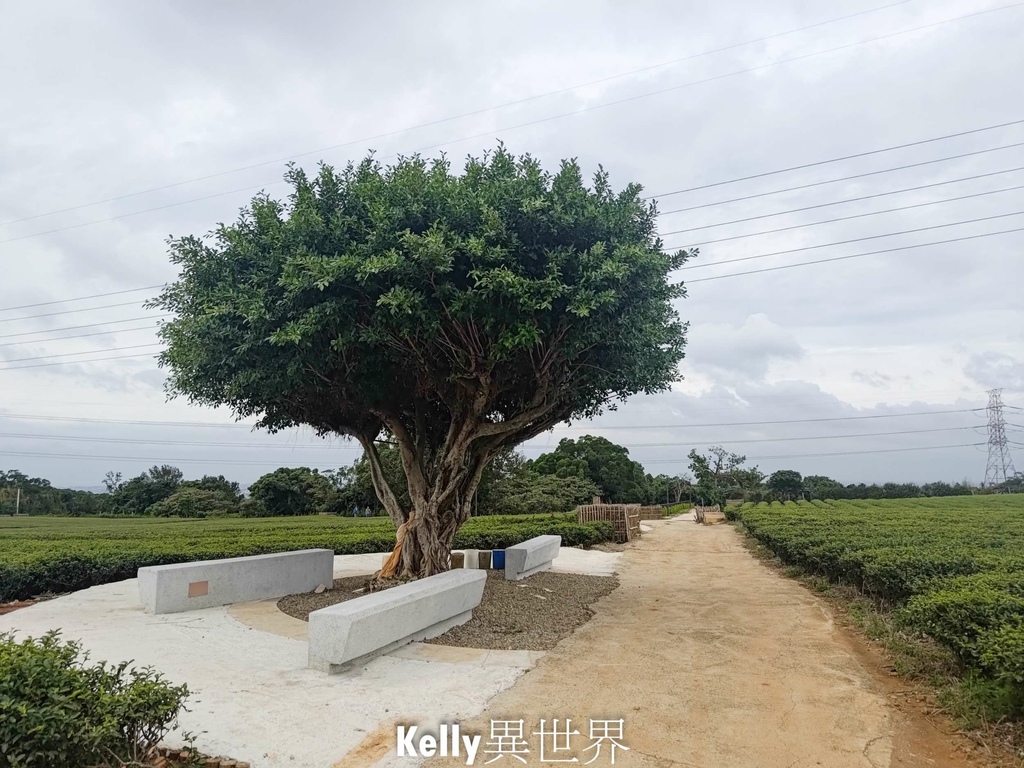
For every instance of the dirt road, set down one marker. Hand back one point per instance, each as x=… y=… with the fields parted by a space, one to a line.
x=714 y=660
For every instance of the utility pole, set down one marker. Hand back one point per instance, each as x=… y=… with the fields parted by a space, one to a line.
x=17 y=503
x=999 y=468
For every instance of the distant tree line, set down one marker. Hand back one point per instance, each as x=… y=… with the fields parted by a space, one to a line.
x=721 y=476
x=575 y=472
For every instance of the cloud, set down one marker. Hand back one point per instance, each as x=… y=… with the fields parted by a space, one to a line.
x=731 y=353
x=872 y=378
x=112 y=99
x=996 y=371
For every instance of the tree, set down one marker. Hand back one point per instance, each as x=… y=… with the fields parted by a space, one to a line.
x=510 y=486
x=135 y=496
x=786 y=484
x=720 y=475
x=191 y=501
x=292 y=491
x=455 y=315
x=355 y=484
x=112 y=481
x=716 y=467
x=822 y=487
x=600 y=461
x=228 y=490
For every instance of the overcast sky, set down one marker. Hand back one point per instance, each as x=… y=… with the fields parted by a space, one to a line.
x=122 y=123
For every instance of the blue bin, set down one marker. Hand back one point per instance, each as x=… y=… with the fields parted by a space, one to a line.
x=498 y=559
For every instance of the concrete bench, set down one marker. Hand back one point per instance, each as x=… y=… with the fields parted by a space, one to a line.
x=208 y=583
x=530 y=557
x=364 y=627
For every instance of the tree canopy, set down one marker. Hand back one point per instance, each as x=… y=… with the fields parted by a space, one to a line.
x=455 y=314
x=786 y=484
x=602 y=462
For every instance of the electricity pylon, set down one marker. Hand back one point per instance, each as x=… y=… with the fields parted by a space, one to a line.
x=1000 y=466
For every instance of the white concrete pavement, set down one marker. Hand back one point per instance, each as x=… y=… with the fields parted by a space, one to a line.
x=253 y=697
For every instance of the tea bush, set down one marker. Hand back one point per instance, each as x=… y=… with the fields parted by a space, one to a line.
x=59 y=711
x=953 y=567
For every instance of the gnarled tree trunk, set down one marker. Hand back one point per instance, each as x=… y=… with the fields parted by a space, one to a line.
x=426 y=530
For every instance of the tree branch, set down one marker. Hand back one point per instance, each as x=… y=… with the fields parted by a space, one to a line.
x=380 y=482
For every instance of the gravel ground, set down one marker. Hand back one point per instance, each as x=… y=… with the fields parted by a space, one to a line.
x=528 y=615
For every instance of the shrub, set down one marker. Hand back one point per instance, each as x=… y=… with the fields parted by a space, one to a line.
x=192 y=502
x=59 y=711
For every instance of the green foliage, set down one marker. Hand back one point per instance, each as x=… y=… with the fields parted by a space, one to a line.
x=59 y=711
x=45 y=554
x=530 y=493
x=720 y=475
x=193 y=502
x=954 y=567
x=600 y=461
x=39 y=497
x=822 y=487
x=456 y=314
x=228 y=490
x=369 y=276
x=786 y=484
x=292 y=491
x=354 y=486
x=137 y=495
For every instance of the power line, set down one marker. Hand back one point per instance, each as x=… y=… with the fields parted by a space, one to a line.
x=818 y=163
x=844 y=218
x=82 y=298
x=774 y=439
x=237 y=425
x=75 y=362
x=79 y=327
x=862 y=239
x=780 y=421
x=456 y=117
x=72 y=354
x=91 y=457
x=71 y=311
x=78 y=336
x=862 y=215
x=128 y=422
x=837 y=453
x=860 y=176
x=197 y=443
x=838 y=258
x=834 y=202
x=200 y=443
x=582 y=110
x=254 y=187
x=679 y=210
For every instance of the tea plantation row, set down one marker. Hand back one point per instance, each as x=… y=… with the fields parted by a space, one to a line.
x=47 y=554
x=953 y=567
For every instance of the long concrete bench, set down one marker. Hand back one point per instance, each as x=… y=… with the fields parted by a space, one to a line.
x=359 y=629
x=208 y=583
x=531 y=556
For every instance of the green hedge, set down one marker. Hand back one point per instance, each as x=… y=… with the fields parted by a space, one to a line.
x=43 y=555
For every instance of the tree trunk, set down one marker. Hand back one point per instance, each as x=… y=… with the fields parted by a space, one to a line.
x=427 y=547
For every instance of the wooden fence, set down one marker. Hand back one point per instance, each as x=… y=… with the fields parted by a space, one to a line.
x=625 y=518
x=653 y=512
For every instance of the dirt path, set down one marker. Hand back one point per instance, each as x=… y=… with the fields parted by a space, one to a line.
x=716 y=661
